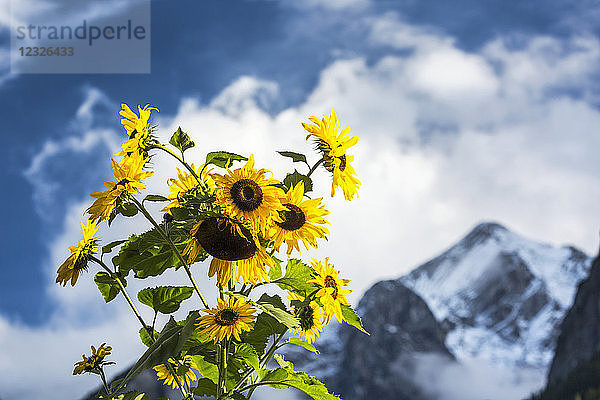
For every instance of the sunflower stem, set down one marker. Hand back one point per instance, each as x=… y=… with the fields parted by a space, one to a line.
x=103 y=377
x=175 y=249
x=224 y=361
x=314 y=167
x=264 y=361
x=122 y=288
x=176 y=378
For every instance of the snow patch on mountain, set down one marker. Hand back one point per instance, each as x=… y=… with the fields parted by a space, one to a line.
x=501 y=296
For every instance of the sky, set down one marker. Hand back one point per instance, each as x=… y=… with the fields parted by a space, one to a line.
x=467 y=111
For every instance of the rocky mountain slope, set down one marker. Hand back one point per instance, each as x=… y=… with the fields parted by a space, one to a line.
x=580 y=331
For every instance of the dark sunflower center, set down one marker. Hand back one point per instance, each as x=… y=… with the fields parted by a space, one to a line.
x=330 y=282
x=122 y=182
x=246 y=194
x=293 y=218
x=342 y=162
x=221 y=238
x=80 y=263
x=306 y=317
x=226 y=317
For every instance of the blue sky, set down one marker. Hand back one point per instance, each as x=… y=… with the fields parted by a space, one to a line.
x=467 y=110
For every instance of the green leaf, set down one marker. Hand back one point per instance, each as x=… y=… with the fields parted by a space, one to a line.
x=296 y=157
x=148 y=254
x=246 y=353
x=277 y=374
x=352 y=318
x=205 y=387
x=159 y=351
x=235 y=396
x=296 y=278
x=133 y=395
x=155 y=197
x=275 y=271
x=128 y=209
x=108 y=247
x=302 y=343
x=274 y=375
x=264 y=327
x=145 y=337
x=181 y=140
x=189 y=328
x=223 y=159
x=309 y=385
x=273 y=306
x=293 y=179
x=206 y=368
x=299 y=380
x=108 y=286
x=165 y=299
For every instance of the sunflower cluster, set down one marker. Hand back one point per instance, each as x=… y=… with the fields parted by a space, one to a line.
x=229 y=219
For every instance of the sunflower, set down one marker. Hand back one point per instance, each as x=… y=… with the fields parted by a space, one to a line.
x=93 y=362
x=333 y=148
x=183 y=372
x=247 y=194
x=138 y=130
x=331 y=294
x=229 y=241
x=186 y=182
x=80 y=255
x=299 y=221
x=229 y=318
x=310 y=318
x=128 y=175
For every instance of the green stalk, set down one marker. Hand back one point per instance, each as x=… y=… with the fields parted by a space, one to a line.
x=264 y=360
x=103 y=377
x=122 y=288
x=172 y=245
x=314 y=167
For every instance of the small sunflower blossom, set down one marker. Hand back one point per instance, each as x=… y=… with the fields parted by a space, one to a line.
x=310 y=317
x=137 y=129
x=183 y=372
x=186 y=182
x=229 y=241
x=94 y=362
x=228 y=319
x=331 y=293
x=80 y=255
x=300 y=221
x=128 y=176
x=333 y=148
x=245 y=193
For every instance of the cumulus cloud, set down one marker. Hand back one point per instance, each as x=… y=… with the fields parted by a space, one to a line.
x=447 y=138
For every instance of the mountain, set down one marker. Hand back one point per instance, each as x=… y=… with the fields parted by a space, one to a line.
x=580 y=331
x=575 y=368
x=494 y=295
x=382 y=364
x=500 y=296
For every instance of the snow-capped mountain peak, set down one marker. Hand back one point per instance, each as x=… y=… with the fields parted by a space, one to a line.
x=500 y=295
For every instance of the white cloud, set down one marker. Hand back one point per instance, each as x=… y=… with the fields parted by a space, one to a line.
x=483 y=142
x=334 y=5
x=474 y=379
